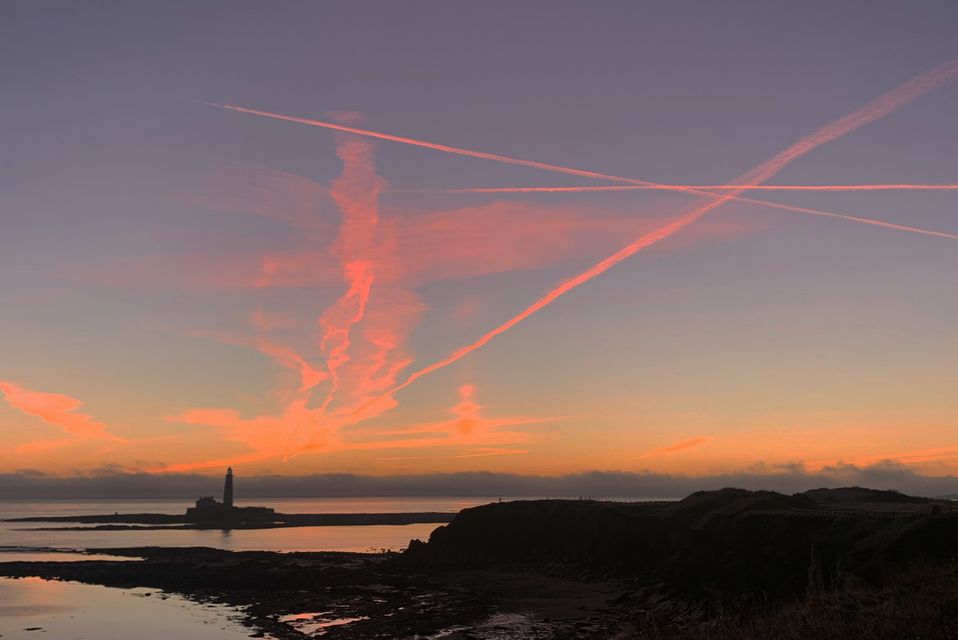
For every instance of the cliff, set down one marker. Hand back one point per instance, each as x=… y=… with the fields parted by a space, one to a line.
x=730 y=540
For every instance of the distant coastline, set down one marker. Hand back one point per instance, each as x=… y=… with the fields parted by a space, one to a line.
x=468 y=484
x=145 y=521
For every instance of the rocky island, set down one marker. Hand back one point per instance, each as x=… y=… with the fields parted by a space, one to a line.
x=209 y=513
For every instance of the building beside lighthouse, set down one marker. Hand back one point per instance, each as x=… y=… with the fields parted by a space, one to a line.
x=210 y=510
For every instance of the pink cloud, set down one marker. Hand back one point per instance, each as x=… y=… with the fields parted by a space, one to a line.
x=268 y=193
x=675 y=447
x=55 y=409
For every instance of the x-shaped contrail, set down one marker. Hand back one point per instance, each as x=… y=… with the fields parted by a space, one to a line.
x=914 y=88
x=892 y=186
x=874 y=110
x=728 y=191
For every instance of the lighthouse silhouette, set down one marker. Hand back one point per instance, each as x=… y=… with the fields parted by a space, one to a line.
x=228 y=488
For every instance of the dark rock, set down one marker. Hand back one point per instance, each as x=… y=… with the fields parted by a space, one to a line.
x=731 y=540
x=857 y=495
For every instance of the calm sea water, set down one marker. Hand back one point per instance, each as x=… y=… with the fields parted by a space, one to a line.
x=32 y=608
x=86 y=612
x=367 y=538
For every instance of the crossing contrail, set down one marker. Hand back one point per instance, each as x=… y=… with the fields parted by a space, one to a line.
x=877 y=108
x=698 y=187
x=905 y=93
x=868 y=221
x=764 y=203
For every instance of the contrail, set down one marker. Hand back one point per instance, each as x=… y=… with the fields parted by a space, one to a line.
x=869 y=221
x=885 y=104
x=877 y=108
x=698 y=187
x=545 y=166
x=914 y=88
x=764 y=203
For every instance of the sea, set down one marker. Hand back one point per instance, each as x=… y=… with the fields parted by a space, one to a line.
x=32 y=608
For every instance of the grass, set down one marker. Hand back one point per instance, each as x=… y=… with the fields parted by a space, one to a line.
x=918 y=603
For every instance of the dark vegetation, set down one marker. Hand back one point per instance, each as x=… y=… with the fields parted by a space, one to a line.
x=918 y=602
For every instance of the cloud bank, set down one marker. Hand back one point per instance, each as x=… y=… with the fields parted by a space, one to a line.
x=109 y=484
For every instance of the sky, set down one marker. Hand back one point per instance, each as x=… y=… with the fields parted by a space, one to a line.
x=380 y=238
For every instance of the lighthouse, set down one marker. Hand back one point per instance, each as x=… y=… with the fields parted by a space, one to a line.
x=228 y=489
x=209 y=510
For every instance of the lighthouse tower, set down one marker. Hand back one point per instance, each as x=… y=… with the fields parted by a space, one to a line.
x=228 y=489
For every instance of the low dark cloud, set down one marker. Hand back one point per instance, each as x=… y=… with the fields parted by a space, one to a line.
x=110 y=484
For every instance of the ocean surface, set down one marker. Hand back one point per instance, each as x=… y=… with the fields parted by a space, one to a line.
x=33 y=608
x=88 y=612
x=24 y=535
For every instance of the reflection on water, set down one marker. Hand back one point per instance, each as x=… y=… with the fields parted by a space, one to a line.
x=29 y=607
x=311 y=623
x=84 y=612
x=370 y=538
x=365 y=538
x=27 y=554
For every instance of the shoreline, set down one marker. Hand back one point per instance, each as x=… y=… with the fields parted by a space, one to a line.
x=382 y=594
x=160 y=521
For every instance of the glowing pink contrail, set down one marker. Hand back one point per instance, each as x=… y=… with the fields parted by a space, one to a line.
x=869 y=221
x=905 y=93
x=545 y=166
x=763 y=203
x=921 y=84
x=875 y=109
x=699 y=187
x=872 y=111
